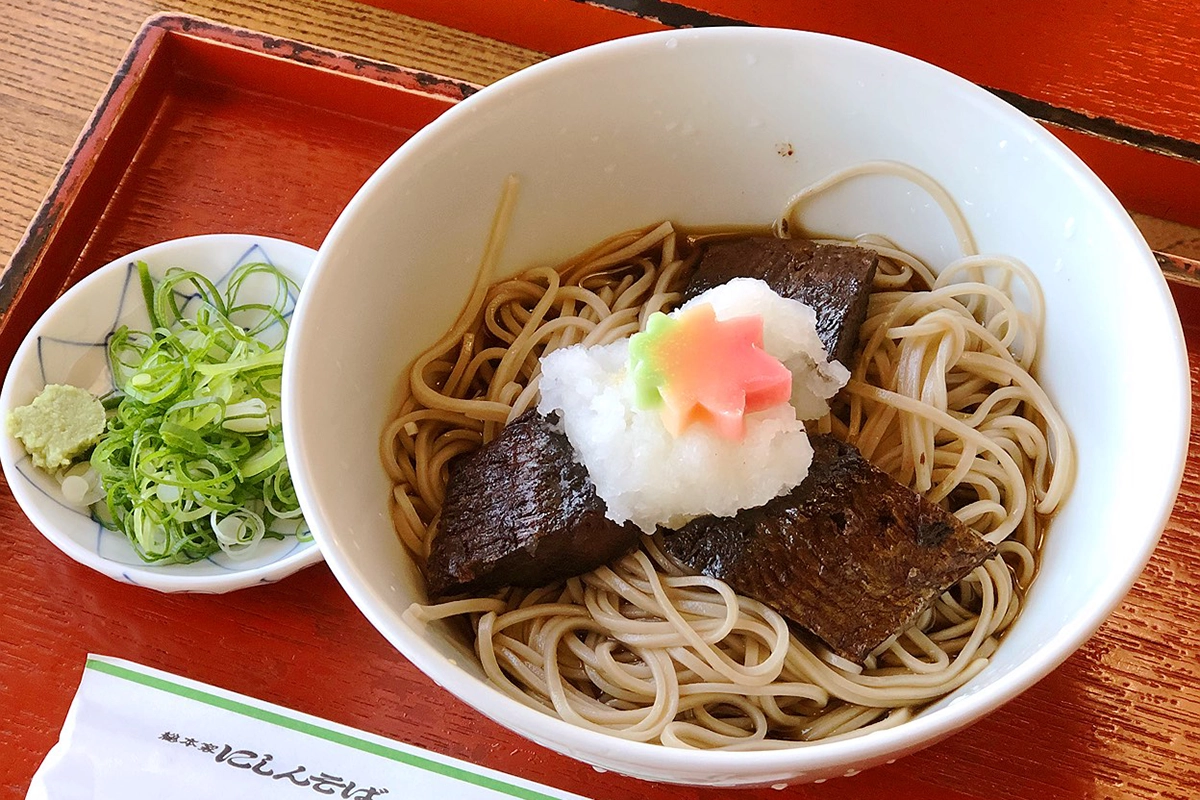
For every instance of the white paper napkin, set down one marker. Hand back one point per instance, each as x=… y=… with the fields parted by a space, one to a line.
x=136 y=733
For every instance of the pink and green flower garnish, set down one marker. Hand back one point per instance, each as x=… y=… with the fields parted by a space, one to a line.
x=698 y=370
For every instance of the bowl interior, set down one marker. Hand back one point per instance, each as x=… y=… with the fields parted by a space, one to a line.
x=69 y=345
x=722 y=127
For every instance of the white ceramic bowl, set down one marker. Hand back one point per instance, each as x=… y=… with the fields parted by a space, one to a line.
x=720 y=126
x=68 y=345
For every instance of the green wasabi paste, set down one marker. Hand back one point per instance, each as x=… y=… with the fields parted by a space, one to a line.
x=58 y=426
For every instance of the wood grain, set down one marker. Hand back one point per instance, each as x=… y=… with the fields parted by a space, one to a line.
x=1121 y=718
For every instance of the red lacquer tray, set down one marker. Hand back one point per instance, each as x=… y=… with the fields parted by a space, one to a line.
x=210 y=129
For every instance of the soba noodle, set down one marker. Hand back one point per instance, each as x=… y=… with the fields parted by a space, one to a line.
x=941 y=397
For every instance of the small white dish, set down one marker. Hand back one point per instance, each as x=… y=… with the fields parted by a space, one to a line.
x=68 y=345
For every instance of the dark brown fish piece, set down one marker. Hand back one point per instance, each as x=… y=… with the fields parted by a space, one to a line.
x=521 y=512
x=850 y=554
x=834 y=279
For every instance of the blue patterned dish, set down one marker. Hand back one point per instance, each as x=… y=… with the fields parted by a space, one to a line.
x=67 y=345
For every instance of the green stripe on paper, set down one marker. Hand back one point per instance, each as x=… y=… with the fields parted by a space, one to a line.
x=300 y=726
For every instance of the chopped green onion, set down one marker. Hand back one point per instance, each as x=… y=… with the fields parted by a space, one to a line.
x=192 y=461
x=238 y=533
x=74 y=489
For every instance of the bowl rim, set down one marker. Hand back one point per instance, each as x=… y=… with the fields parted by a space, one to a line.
x=924 y=728
x=150 y=576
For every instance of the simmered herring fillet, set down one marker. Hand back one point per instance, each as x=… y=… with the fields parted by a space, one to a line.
x=834 y=279
x=849 y=554
x=521 y=512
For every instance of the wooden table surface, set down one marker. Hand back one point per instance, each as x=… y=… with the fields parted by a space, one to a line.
x=1121 y=718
